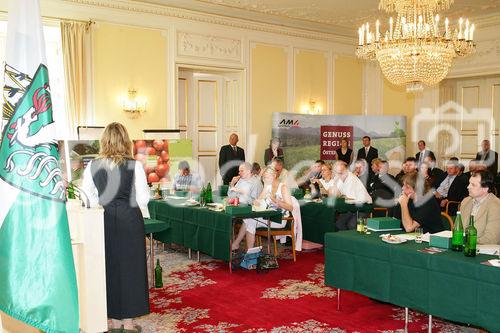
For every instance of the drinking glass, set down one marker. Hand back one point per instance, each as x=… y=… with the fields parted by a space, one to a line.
x=202 y=201
x=360 y=227
x=418 y=235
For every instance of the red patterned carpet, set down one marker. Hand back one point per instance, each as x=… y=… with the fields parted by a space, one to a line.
x=204 y=297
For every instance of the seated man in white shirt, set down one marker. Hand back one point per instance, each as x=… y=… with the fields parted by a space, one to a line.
x=245 y=187
x=347 y=184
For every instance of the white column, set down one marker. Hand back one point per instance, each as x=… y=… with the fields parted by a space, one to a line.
x=373 y=89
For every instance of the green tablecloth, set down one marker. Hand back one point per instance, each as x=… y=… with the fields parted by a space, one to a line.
x=198 y=228
x=447 y=284
x=152 y=226
x=319 y=218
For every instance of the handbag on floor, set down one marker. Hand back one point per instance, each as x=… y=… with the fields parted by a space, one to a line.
x=266 y=262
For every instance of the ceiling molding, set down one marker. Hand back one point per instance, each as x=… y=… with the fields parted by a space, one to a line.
x=153 y=9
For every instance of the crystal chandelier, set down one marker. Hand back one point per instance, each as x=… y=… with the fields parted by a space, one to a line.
x=415 y=51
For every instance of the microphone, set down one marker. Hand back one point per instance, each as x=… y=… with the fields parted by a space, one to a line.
x=79 y=193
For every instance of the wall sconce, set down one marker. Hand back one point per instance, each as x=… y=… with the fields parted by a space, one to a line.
x=312 y=107
x=134 y=105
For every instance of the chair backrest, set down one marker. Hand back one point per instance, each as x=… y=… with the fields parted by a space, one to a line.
x=447 y=221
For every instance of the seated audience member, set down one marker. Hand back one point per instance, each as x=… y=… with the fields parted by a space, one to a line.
x=326 y=181
x=488 y=157
x=382 y=185
x=484 y=206
x=437 y=175
x=256 y=170
x=424 y=171
x=245 y=187
x=313 y=173
x=274 y=151
x=474 y=166
x=282 y=173
x=360 y=170
x=344 y=153
x=275 y=195
x=409 y=166
x=345 y=183
x=417 y=206
x=452 y=188
x=184 y=180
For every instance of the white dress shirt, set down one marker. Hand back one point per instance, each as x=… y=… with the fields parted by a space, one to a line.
x=352 y=188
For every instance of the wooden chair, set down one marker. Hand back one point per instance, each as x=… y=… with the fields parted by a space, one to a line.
x=379 y=209
x=288 y=230
x=446 y=219
x=452 y=203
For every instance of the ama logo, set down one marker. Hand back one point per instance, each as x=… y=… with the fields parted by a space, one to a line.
x=287 y=123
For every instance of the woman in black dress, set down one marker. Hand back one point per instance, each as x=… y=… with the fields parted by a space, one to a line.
x=344 y=153
x=118 y=183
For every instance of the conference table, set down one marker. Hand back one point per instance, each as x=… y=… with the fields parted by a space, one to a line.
x=446 y=284
x=318 y=218
x=201 y=228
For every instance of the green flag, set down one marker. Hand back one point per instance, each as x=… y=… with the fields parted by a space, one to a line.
x=37 y=273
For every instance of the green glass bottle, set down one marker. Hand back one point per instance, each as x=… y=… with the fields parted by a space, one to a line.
x=208 y=194
x=158 y=275
x=71 y=191
x=457 y=240
x=470 y=240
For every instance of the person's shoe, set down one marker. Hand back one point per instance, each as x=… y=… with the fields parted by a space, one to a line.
x=137 y=329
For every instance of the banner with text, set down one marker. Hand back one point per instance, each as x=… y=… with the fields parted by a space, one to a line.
x=311 y=137
x=330 y=140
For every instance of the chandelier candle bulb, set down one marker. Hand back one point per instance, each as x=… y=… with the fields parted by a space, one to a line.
x=460 y=22
x=436 y=26
x=446 y=29
x=377 y=32
x=390 y=28
x=471 y=32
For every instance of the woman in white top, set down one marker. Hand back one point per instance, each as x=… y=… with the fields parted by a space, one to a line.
x=326 y=181
x=275 y=195
x=118 y=183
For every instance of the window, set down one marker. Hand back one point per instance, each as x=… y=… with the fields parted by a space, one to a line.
x=53 y=50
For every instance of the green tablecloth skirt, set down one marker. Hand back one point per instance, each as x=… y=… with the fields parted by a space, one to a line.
x=319 y=218
x=198 y=228
x=447 y=284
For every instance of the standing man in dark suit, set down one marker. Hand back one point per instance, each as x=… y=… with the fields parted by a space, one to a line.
x=230 y=158
x=367 y=152
x=488 y=157
x=423 y=153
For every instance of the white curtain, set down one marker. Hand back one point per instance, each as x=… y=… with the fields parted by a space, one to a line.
x=77 y=56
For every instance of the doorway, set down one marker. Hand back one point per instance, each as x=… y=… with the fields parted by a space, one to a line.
x=210 y=105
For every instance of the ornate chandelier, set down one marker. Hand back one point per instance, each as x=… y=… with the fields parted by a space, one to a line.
x=415 y=51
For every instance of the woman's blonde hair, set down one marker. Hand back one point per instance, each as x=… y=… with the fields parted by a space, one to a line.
x=271 y=170
x=115 y=144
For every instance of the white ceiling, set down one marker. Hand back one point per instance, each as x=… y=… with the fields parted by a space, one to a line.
x=340 y=17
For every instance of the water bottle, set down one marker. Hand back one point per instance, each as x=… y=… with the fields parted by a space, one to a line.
x=158 y=275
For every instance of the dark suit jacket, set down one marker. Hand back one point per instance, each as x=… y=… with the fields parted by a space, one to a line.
x=427 y=153
x=437 y=175
x=227 y=154
x=372 y=154
x=491 y=160
x=382 y=186
x=458 y=191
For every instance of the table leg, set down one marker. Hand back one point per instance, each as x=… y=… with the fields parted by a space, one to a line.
x=338 y=299
x=430 y=324
x=198 y=255
x=152 y=258
x=189 y=253
x=406 y=320
x=231 y=247
x=269 y=236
